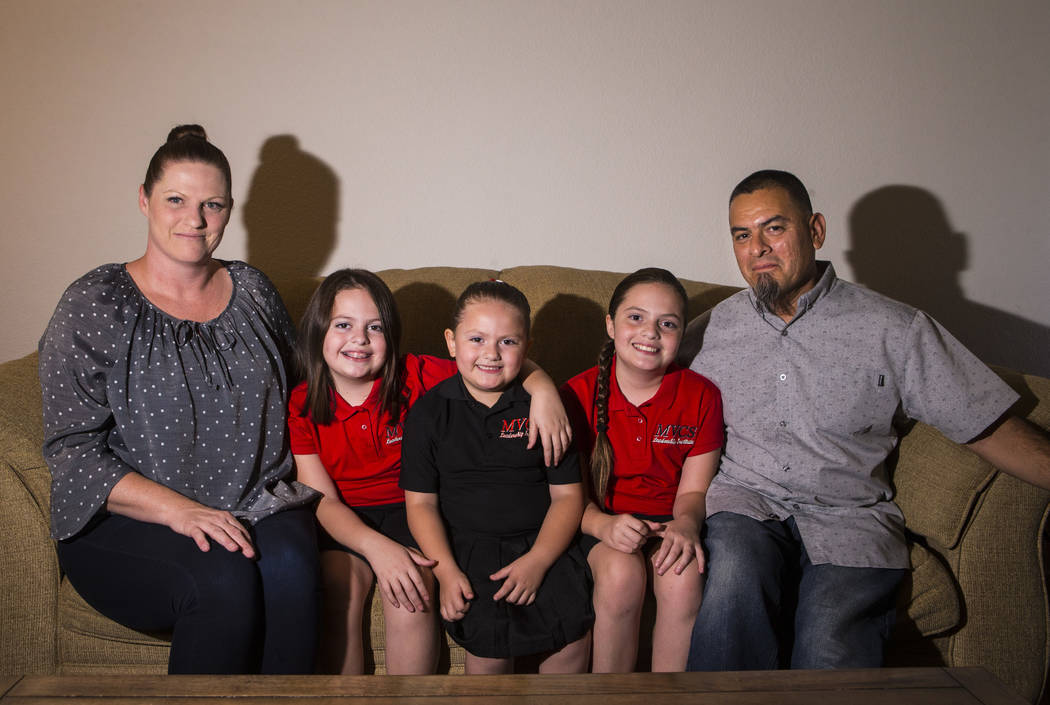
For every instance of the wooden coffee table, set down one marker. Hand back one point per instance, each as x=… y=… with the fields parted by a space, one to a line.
x=897 y=686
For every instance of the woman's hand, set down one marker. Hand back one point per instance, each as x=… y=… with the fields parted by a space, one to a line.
x=680 y=547
x=625 y=532
x=521 y=579
x=455 y=593
x=145 y=500
x=201 y=523
x=397 y=574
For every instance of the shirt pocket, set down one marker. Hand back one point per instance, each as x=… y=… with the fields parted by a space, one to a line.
x=849 y=400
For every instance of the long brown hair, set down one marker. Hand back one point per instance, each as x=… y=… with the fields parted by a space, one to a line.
x=309 y=352
x=602 y=456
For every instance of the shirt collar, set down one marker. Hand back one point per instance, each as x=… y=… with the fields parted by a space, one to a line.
x=457 y=390
x=664 y=397
x=344 y=410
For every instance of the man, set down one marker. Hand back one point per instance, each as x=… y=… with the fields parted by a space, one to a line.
x=815 y=374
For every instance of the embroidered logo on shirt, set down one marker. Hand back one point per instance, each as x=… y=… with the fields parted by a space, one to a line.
x=514 y=428
x=393 y=434
x=674 y=434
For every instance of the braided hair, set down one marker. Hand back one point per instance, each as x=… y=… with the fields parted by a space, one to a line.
x=602 y=456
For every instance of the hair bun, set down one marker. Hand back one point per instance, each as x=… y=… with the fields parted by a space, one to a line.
x=182 y=131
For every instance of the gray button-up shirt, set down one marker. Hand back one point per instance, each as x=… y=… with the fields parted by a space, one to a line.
x=812 y=408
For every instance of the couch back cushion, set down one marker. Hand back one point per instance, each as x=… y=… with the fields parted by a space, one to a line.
x=931 y=466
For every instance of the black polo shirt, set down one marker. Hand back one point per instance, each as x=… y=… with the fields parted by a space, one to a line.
x=475 y=458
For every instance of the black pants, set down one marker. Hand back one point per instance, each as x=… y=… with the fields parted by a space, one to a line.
x=226 y=613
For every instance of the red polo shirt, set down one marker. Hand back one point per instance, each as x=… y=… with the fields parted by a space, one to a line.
x=651 y=441
x=360 y=449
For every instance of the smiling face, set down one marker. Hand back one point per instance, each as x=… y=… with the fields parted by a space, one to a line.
x=646 y=329
x=187 y=211
x=489 y=345
x=775 y=244
x=354 y=347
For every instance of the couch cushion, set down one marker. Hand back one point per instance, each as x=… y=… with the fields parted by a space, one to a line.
x=929 y=597
x=938 y=483
x=568 y=329
x=931 y=466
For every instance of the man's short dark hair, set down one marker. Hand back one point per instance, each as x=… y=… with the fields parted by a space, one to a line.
x=771 y=178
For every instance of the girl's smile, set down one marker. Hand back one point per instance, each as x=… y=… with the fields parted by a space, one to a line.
x=647 y=328
x=354 y=346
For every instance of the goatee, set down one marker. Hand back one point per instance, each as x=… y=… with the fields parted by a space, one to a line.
x=769 y=294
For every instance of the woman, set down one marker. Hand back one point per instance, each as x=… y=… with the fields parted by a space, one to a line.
x=165 y=397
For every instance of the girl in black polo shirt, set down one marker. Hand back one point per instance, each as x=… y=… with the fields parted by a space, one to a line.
x=500 y=524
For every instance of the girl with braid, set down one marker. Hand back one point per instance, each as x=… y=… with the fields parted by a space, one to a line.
x=652 y=432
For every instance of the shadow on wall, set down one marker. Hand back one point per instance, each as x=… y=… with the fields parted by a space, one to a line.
x=429 y=308
x=290 y=217
x=567 y=335
x=903 y=246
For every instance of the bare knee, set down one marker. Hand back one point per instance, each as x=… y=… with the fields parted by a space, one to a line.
x=619 y=580
x=679 y=596
x=346 y=581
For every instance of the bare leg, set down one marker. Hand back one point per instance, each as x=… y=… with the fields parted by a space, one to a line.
x=677 y=603
x=480 y=665
x=619 y=589
x=412 y=637
x=571 y=658
x=346 y=581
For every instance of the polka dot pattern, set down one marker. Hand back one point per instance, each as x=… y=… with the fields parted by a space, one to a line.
x=199 y=407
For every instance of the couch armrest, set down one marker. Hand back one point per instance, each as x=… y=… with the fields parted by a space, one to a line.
x=1000 y=569
x=988 y=530
x=29 y=572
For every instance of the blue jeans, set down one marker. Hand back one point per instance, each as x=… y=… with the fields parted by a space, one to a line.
x=225 y=613
x=765 y=605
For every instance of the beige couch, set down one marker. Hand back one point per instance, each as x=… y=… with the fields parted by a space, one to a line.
x=977 y=593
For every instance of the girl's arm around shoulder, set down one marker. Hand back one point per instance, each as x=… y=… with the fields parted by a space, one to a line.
x=548 y=421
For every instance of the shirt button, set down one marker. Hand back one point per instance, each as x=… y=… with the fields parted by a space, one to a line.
x=783 y=423
x=783 y=377
x=772 y=516
x=363 y=427
x=638 y=438
x=639 y=420
x=785 y=467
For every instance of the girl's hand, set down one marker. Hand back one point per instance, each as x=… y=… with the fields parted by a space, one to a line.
x=680 y=546
x=201 y=523
x=521 y=579
x=627 y=533
x=549 y=423
x=455 y=593
x=397 y=575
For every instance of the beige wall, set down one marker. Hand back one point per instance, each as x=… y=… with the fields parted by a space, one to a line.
x=493 y=133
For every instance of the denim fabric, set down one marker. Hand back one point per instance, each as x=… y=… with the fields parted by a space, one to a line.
x=225 y=613
x=766 y=606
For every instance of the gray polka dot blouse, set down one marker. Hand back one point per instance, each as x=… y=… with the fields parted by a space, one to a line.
x=197 y=407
